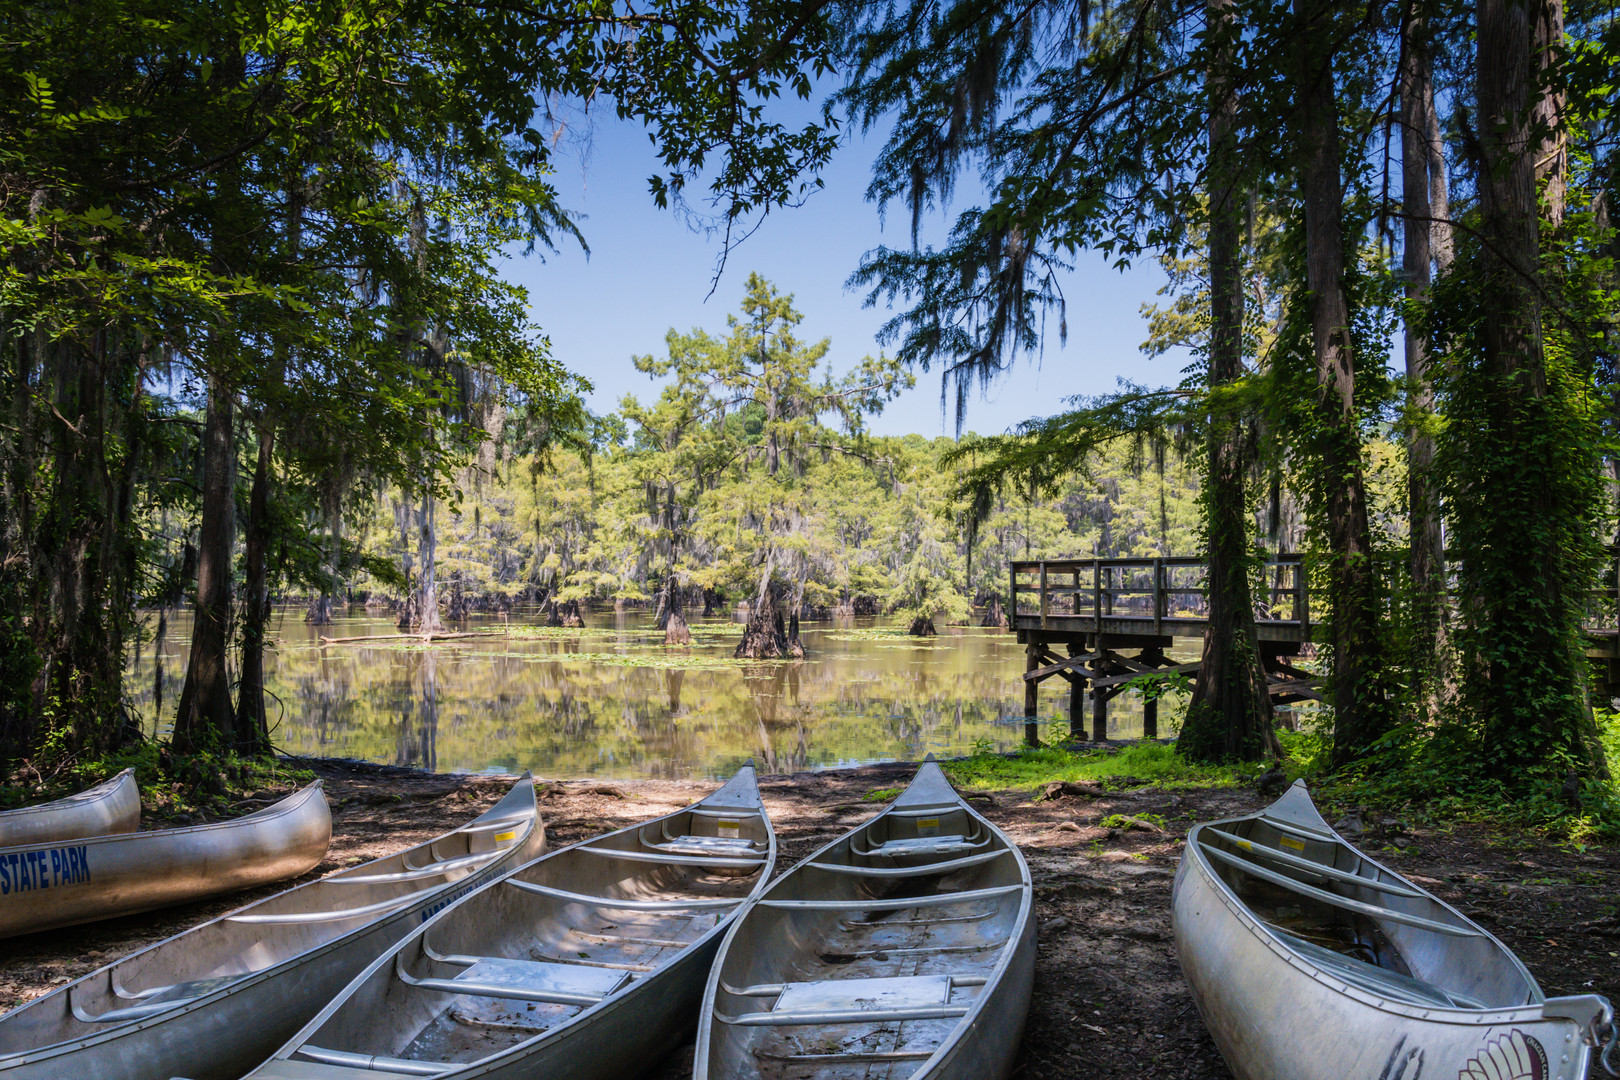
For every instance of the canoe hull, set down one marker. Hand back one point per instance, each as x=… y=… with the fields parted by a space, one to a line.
x=224 y=1034
x=45 y=886
x=1274 y=1014
x=558 y=922
x=104 y=810
x=913 y=957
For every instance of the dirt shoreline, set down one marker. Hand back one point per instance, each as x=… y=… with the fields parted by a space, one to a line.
x=1109 y=998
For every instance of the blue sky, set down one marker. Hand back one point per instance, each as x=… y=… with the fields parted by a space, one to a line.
x=649 y=271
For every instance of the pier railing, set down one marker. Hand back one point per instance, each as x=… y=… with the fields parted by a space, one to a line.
x=1168 y=597
x=1141 y=597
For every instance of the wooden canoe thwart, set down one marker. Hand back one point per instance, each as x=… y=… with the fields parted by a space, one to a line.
x=43 y=886
x=587 y=963
x=904 y=950
x=1310 y=961
x=215 y=1000
x=106 y=809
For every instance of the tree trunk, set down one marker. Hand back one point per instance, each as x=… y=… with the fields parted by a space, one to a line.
x=1426 y=560
x=922 y=626
x=1360 y=714
x=207 y=717
x=252 y=717
x=1526 y=592
x=76 y=585
x=764 y=637
x=1229 y=715
x=675 y=629
x=427 y=596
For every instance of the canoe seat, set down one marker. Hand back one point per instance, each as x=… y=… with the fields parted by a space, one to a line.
x=709 y=845
x=1371 y=911
x=157 y=999
x=323 y=1064
x=921 y=845
x=665 y=858
x=693 y=904
x=1374 y=979
x=854 y=1001
x=523 y=980
x=950 y=866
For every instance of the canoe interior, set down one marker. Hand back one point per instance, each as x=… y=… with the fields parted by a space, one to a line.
x=266 y=934
x=448 y=1009
x=1383 y=947
x=787 y=972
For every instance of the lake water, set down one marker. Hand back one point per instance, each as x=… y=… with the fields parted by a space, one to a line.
x=612 y=701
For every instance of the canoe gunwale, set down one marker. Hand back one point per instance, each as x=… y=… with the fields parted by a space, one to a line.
x=95 y=793
x=1022 y=928
x=248 y=980
x=1457 y=1015
x=291 y=804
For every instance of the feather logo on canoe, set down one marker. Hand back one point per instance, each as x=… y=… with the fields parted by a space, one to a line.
x=1514 y=1056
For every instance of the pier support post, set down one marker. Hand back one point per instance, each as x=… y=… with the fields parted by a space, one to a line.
x=1150 y=707
x=1099 y=712
x=1032 y=695
x=1077 y=698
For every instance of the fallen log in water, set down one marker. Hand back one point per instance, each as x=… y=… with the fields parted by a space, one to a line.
x=425 y=639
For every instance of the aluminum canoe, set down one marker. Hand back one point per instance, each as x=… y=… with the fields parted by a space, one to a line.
x=44 y=886
x=213 y=1001
x=585 y=964
x=108 y=808
x=1311 y=961
x=904 y=950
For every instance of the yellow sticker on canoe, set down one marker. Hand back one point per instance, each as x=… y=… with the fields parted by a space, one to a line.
x=1244 y=844
x=503 y=837
x=1290 y=843
x=729 y=829
x=928 y=826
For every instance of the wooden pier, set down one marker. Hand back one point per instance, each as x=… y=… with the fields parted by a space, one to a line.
x=1099 y=610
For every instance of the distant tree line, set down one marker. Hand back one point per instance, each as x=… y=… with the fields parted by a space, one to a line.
x=751 y=479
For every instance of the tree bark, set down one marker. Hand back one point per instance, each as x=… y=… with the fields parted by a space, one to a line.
x=764 y=638
x=1534 y=674
x=427 y=596
x=1360 y=715
x=252 y=719
x=206 y=717
x=1419 y=180
x=1229 y=715
x=675 y=629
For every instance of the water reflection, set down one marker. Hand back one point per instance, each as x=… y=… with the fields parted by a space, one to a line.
x=612 y=701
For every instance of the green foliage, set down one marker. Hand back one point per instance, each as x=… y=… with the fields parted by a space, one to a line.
x=1153 y=687
x=169 y=783
x=688 y=499
x=1518 y=463
x=881 y=794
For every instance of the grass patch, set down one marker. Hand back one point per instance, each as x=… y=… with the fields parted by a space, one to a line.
x=882 y=794
x=1147 y=762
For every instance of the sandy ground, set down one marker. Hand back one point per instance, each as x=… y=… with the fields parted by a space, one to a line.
x=1109 y=998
